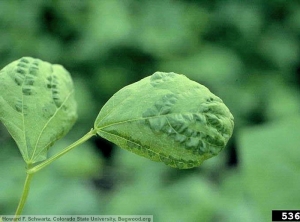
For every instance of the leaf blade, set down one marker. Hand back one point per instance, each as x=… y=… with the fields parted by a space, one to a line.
x=167 y=117
x=39 y=107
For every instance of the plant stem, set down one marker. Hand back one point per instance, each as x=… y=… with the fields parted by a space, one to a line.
x=33 y=170
x=24 y=195
x=40 y=166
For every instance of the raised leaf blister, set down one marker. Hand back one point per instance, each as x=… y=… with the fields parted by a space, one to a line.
x=37 y=105
x=169 y=118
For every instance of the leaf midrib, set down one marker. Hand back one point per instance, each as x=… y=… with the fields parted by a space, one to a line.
x=142 y=118
x=116 y=123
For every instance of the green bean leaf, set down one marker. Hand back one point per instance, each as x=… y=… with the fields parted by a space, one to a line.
x=169 y=118
x=37 y=105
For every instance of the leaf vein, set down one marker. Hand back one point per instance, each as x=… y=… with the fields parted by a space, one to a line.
x=45 y=126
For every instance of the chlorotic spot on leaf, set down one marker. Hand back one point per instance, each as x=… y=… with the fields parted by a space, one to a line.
x=169 y=118
x=34 y=97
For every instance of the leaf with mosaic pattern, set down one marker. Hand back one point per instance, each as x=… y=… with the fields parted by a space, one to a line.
x=37 y=105
x=169 y=118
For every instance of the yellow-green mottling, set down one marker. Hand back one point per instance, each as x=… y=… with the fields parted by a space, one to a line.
x=169 y=118
x=37 y=105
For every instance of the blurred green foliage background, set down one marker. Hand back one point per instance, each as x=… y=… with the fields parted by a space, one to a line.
x=246 y=52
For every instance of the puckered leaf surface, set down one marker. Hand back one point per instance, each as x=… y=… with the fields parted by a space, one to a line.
x=169 y=118
x=37 y=105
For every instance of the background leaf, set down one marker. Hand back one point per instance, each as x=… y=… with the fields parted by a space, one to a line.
x=37 y=105
x=271 y=166
x=167 y=117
